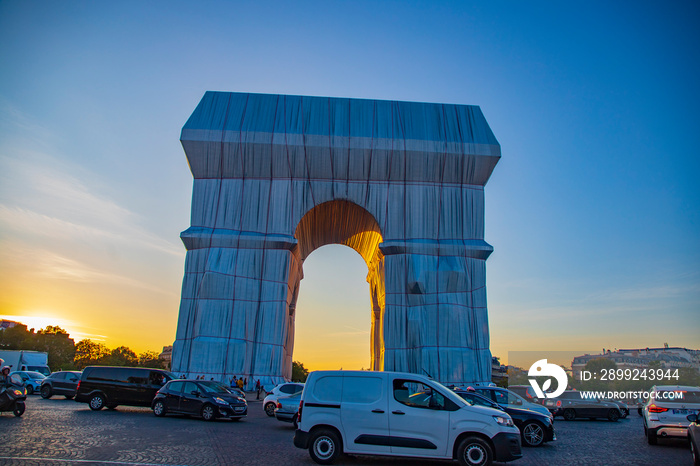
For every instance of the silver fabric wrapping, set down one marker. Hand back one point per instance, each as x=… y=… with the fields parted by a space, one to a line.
x=276 y=177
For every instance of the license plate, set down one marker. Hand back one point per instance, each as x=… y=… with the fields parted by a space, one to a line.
x=680 y=411
x=238 y=410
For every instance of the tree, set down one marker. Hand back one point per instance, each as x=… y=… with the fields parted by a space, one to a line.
x=299 y=372
x=87 y=353
x=121 y=356
x=57 y=343
x=151 y=359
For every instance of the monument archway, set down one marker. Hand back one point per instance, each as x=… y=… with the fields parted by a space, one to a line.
x=277 y=176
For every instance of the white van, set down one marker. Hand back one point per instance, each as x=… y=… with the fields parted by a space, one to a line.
x=399 y=414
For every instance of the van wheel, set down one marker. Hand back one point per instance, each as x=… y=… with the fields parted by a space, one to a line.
x=532 y=434
x=97 y=402
x=112 y=406
x=270 y=409
x=69 y=397
x=159 y=408
x=325 y=446
x=569 y=414
x=613 y=415
x=295 y=422
x=474 y=451
x=208 y=413
x=46 y=392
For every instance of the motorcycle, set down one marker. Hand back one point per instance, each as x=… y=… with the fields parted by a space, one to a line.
x=12 y=396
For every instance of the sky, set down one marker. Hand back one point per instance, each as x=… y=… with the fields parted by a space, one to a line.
x=593 y=210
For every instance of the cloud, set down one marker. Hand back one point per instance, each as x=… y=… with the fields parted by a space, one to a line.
x=50 y=265
x=40 y=196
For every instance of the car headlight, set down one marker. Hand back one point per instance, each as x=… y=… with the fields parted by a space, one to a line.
x=221 y=401
x=503 y=421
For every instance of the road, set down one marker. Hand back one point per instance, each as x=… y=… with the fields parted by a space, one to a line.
x=62 y=432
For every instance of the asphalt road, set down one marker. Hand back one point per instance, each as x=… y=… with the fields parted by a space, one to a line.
x=63 y=432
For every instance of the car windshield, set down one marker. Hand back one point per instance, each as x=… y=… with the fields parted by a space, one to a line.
x=214 y=387
x=35 y=375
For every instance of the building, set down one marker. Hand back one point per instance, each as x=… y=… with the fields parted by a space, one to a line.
x=640 y=358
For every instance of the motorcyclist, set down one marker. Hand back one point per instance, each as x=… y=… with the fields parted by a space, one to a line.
x=5 y=380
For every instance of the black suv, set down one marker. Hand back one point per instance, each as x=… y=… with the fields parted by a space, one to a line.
x=60 y=383
x=102 y=386
x=207 y=399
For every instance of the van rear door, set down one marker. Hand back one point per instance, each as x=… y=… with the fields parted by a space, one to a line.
x=364 y=414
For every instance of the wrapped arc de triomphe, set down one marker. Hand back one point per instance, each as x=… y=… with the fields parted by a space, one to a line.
x=277 y=176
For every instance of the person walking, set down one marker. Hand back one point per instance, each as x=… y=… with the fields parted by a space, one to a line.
x=257 y=389
x=240 y=383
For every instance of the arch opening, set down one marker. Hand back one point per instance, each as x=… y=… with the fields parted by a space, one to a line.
x=345 y=223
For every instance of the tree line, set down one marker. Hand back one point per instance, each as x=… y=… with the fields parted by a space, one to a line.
x=65 y=354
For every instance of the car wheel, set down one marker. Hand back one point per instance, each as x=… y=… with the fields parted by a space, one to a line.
x=694 y=451
x=613 y=415
x=474 y=451
x=296 y=424
x=324 y=446
x=30 y=390
x=208 y=413
x=532 y=434
x=97 y=402
x=19 y=409
x=69 y=397
x=651 y=437
x=159 y=408
x=46 y=392
x=270 y=409
x=112 y=406
x=569 y=414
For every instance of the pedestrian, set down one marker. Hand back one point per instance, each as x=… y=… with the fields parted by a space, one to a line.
x=240 y=383
x=234 y=382
x=257 y=389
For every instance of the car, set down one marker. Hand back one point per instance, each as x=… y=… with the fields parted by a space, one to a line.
x=624 y=407
x=107 y=386
x=694 y=437
x=535 y=428
x=283 y=389
x=666 y=412
x=61 y=383
x=505 y=397
x=288 y=408
x=208 y=399
x=31 y=380
x=571 y=405
x=399 y=414
x=526 y=392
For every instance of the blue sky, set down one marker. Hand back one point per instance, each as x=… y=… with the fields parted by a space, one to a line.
x=593 y=210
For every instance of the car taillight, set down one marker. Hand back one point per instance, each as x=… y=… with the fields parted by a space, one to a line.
x=657 y=409
x=279 y=405
x=558 y=403
x=301 y=405
x=78 y=387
